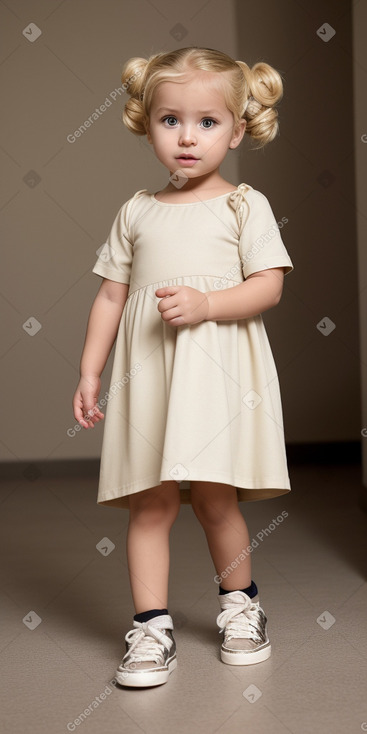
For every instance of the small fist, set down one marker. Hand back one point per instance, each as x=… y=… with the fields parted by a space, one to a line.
x=180 y=305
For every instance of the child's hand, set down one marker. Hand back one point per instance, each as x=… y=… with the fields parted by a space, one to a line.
x=86 y=410
x=181 y=304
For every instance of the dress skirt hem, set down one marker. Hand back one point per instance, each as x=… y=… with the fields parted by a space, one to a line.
x=244 y=494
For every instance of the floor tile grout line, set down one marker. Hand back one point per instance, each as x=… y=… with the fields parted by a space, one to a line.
x=310 y=636
x=281 y=721
x=225 y=720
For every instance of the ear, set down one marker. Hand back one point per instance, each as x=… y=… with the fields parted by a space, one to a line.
x=149 y=137
x=238 y=134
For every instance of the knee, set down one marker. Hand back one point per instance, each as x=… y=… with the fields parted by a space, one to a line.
x=214 y=505
x=154 y=507
x=209 y=513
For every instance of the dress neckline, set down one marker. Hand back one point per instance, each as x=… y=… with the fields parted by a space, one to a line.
x=190 y=203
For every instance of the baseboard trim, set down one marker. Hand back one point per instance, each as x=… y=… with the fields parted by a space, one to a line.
x=338 y=452
x=333 y=452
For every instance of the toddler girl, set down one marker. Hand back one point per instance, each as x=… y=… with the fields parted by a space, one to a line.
x=194 y=394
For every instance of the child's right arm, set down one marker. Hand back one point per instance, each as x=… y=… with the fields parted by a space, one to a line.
x=103 y=323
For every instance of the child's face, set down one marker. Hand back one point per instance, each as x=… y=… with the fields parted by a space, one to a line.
x=191 y=118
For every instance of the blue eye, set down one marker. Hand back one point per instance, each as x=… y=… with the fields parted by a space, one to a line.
x=208 y=119
x=169 y=117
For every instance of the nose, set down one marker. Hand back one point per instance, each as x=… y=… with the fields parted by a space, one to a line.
x=187 y=135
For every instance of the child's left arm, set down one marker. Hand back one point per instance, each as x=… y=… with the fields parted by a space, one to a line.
x=185 y=305
x=259 y=292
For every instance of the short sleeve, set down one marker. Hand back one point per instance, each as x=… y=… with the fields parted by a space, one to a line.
x=261 y=246
x=115 y=256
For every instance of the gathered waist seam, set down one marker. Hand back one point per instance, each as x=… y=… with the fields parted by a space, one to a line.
x=168 y=281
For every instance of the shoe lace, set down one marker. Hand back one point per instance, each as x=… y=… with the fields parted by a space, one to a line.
x=147 y=643
x=242 y=619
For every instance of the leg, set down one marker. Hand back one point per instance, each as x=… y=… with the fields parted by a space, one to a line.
x=152 y=514
x=216 y=507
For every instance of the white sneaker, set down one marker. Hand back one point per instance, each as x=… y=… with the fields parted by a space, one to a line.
x=245 y=629
x=150 y=653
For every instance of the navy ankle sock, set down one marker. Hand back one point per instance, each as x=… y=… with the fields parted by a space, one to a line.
x=145 y=616
x=251 y=591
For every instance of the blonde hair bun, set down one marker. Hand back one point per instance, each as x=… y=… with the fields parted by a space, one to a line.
x=132 y=80
x=266 y=90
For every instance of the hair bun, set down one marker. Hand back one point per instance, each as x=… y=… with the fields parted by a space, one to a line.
x=133 y=76
x=133 y=81
x=266 y=84
x=266 y=90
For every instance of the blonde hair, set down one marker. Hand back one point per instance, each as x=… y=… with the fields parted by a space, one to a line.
x=250 y=94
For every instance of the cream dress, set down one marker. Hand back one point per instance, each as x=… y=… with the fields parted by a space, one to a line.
x=193 y=402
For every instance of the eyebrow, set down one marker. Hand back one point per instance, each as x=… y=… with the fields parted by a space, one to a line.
x=200 y=112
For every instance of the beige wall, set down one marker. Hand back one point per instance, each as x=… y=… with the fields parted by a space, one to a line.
x=308 y=175
x=53 y=222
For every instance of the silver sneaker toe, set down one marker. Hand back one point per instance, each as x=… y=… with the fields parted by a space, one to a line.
x=150 y=653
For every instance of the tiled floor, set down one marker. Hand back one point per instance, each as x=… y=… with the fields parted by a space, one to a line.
x=312 y=566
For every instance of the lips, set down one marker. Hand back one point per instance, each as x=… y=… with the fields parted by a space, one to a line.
x=187 y=157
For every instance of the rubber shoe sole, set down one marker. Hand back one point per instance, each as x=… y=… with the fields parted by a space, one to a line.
x=141 y=679
x=245 y=658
